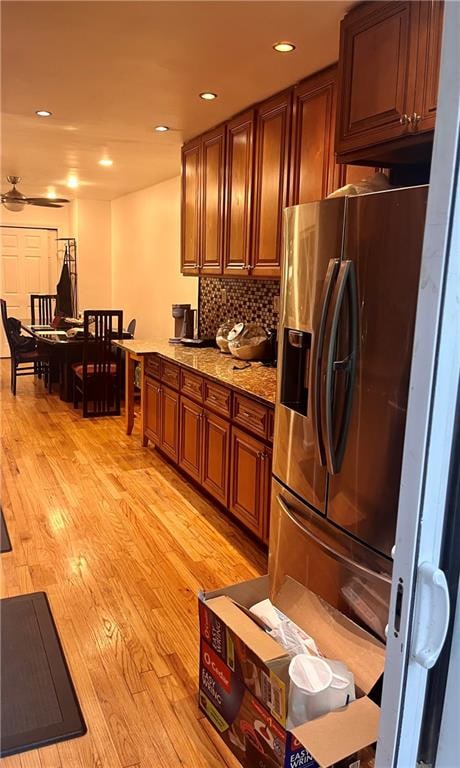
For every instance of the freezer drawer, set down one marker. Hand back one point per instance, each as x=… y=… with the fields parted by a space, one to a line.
x=309 y=549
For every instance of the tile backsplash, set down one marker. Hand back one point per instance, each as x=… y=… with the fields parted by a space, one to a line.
x=246 y=300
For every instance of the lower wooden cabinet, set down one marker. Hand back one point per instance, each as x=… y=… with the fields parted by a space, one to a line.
x=169 y=436
x=191 y=438
x=230 y=463
x=250 y=479
x=152 y=409
x=216 y=456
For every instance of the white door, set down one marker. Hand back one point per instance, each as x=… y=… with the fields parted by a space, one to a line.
x=25 y=269
x=419 y=608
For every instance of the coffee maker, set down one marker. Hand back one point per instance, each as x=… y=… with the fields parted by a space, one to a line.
x=179 y=313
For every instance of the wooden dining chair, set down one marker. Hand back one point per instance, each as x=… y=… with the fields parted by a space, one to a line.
x=42 y=308
x=24 y=362
x=97 y=379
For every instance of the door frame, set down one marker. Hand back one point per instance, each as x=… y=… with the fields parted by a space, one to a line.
x=430 y=423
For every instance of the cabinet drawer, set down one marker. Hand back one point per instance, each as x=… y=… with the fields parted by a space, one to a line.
x=170 y=374
x=218 y=398
x=152 y=366
x=251 y=414
x=191 y=385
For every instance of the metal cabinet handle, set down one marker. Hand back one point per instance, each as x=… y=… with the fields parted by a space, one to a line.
x=405 y=119
x=415 y=119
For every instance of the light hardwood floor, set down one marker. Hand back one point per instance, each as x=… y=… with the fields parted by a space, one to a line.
x=121 y=544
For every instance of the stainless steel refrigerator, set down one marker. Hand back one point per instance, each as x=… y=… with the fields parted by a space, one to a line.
x=350 y=280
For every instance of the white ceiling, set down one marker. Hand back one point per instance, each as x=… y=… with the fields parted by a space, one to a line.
x=111 y=71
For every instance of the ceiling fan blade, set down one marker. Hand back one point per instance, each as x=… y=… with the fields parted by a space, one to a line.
x=35 y=200
x=44 y=203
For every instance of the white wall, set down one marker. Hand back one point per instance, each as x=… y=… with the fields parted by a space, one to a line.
x=91 y=227
x=146 y=277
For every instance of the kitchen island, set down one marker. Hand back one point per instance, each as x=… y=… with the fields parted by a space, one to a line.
x=212 y=416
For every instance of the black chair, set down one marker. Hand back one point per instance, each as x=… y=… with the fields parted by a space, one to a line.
x=24 y=362
x=42 y=308
x=131 y=327
x=97 y=379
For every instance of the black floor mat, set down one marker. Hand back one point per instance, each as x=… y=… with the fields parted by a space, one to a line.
x=38 y=701
x=5 y=543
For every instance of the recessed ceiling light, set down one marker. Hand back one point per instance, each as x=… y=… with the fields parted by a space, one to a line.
x=43 y=113
x=284 y=47
x=106 y=161
x=161 y=128
x=72 y=182
x=208 y=95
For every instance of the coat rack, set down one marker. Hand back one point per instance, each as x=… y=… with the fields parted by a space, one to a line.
x=68 y=253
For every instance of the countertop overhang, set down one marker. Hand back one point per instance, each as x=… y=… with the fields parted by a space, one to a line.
x=258 y=380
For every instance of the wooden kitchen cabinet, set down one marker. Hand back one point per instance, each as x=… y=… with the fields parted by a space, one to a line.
x=152 y=405
x=190 y=444
x=239 y=165
x=169 y=435
x=250 y=481
x=314 y=173
x=428 y=64
x=271 y=176
x=191 y=207
x=216 y=456
x=388 y=76
x=212 y=201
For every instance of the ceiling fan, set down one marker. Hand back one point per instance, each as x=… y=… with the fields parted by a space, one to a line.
x=14 y=200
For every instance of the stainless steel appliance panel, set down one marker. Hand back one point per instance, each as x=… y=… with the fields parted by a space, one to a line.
x=313 y=236
x=306 y=547
x=383 y=239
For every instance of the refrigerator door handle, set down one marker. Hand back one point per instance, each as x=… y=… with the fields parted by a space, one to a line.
x=331 y=276
x=334 y=452
x=296 y=518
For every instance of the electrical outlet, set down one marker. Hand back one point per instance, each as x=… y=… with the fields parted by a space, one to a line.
x=223 y=295
x=276 y=303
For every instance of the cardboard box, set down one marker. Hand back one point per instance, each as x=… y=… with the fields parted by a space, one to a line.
x=244 y=681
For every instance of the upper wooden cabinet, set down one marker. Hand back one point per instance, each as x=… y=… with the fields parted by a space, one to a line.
x=428 y=63
x=240 y=140
x=314 y=173
x=273 y=124
x=191 y=206
x=388 y=75
x=203 y=169
x=212 y=201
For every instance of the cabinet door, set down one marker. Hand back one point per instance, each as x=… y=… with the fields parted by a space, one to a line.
x=212 y=201
x=273 y=123
x=169 y=438
x=190 y=445
x=216 y=456
x=152 y=409
x=247 y=481
x=240 y=137
x=378 y=51
x=313 y=160
x=191 y=207
x=428 y=63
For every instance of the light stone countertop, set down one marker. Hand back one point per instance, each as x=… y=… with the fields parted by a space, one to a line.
x=258 y=380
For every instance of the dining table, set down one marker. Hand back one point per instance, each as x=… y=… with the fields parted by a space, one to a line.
x=63 y=351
